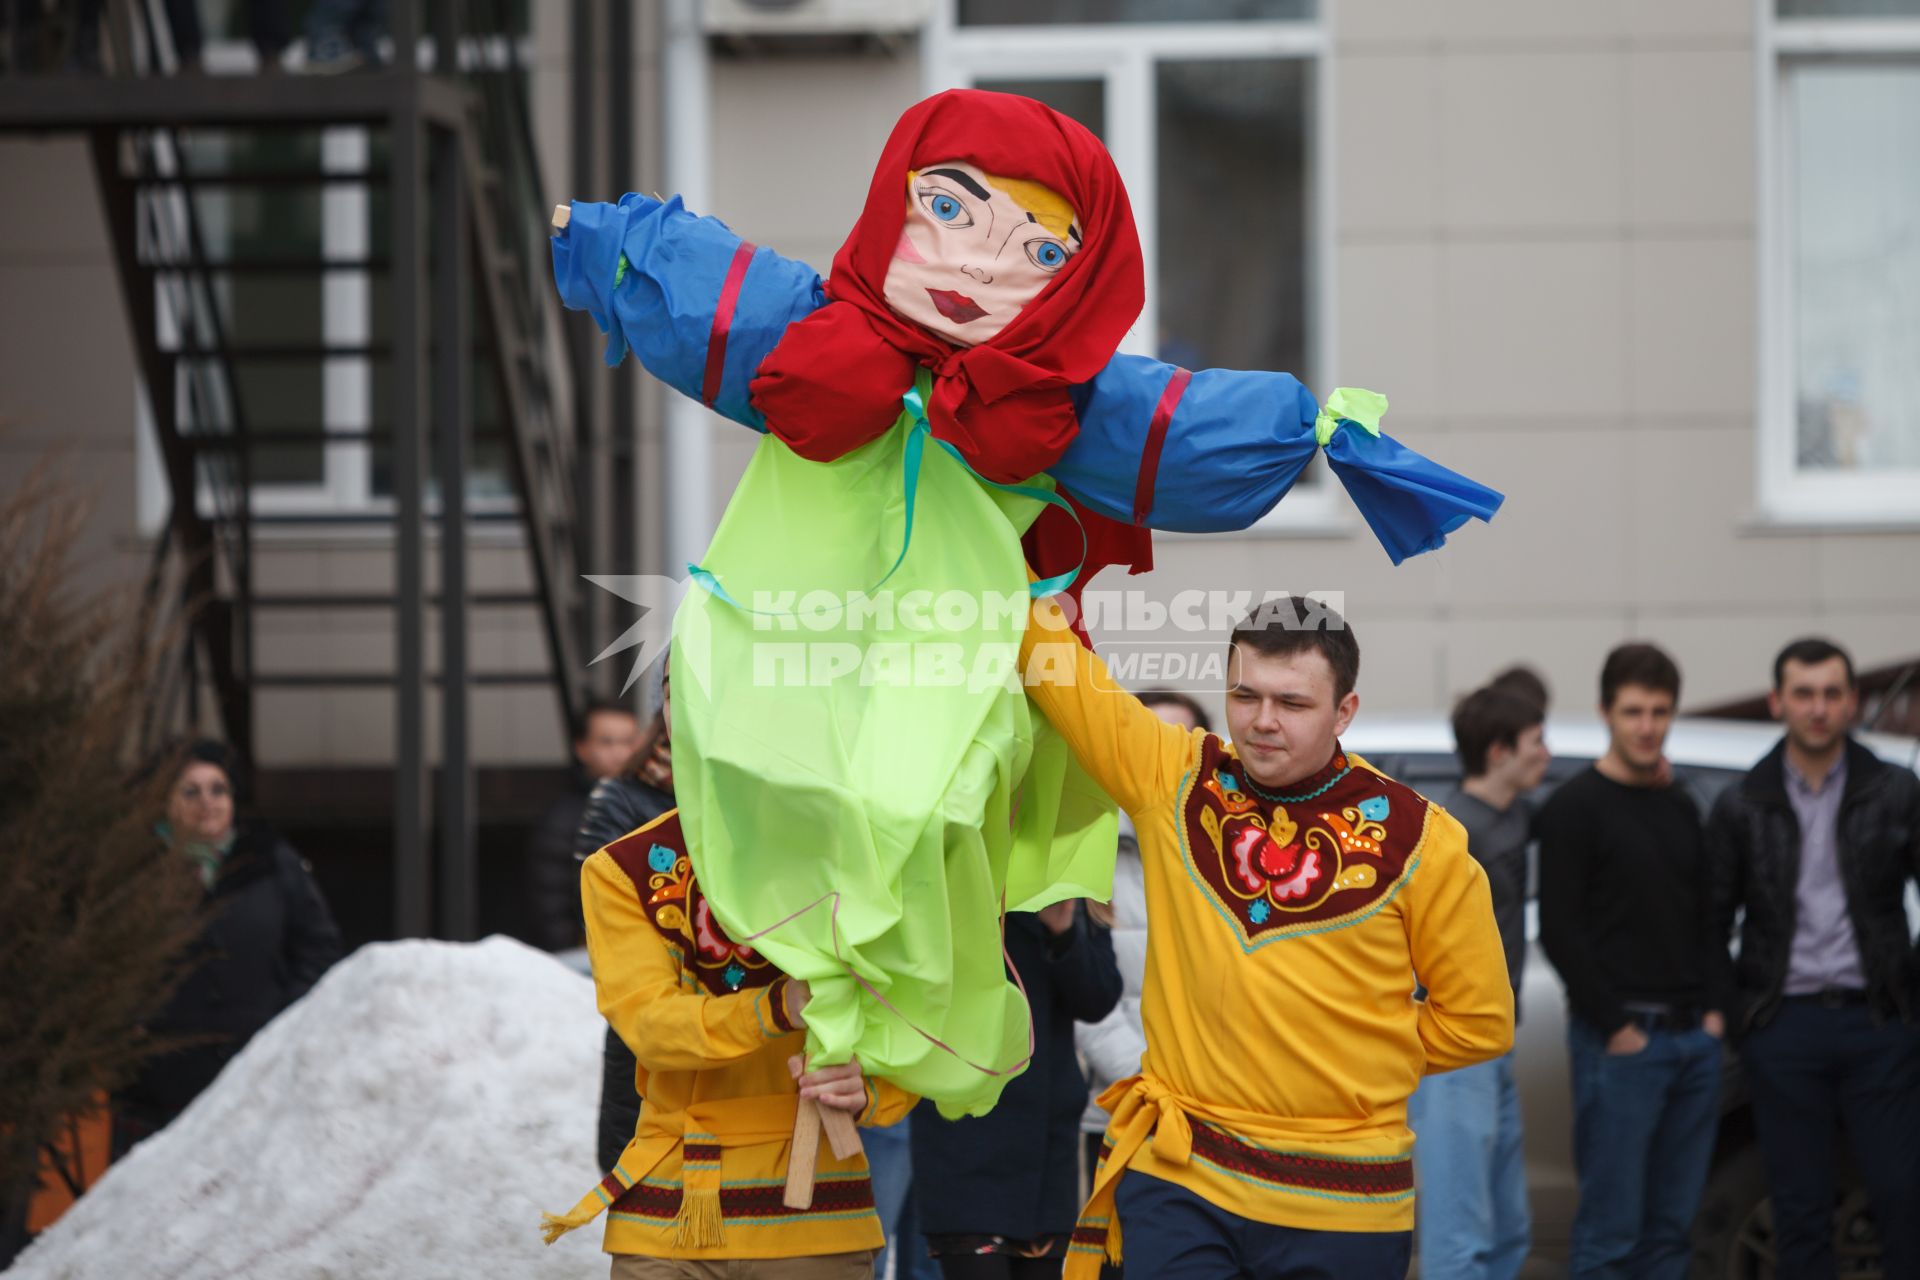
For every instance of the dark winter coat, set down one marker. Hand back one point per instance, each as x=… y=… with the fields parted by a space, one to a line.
x=1753 y=860
x=553 y=869
x=267 y=939
x=1015 y=1172
x=617 y=806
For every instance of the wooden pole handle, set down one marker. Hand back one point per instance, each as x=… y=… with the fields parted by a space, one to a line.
x=843 y=1135
x=804 y=1156
x=562 y=215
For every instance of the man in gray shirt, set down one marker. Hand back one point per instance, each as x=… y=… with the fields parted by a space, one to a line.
x=1817 y=845
x=1473 y=1219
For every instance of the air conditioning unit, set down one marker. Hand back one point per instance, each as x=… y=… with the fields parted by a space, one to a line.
x=815 y=17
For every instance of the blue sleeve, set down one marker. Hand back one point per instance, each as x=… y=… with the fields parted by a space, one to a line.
x=651 y=274
x=1409 y=501
x=1235 y=444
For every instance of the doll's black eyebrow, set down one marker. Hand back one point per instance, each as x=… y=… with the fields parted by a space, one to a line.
x=979 y=192
x=1073 y=231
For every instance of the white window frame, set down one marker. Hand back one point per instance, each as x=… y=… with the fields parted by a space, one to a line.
x=1122 y=55
x=1788 y=495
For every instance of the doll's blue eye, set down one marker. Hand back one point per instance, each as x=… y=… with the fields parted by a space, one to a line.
x=946 y=208
x=1048 y=255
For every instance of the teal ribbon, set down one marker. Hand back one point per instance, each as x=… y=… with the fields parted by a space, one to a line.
x=916 y=402
x=918 y=433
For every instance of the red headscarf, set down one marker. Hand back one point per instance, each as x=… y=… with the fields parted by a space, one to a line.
x=835 y=380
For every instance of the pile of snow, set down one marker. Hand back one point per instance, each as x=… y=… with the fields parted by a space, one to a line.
x=411 y=1117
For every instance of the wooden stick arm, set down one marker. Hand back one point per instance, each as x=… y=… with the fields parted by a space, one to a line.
x=562 y=215
x=843 y=1135
x=804 y=1156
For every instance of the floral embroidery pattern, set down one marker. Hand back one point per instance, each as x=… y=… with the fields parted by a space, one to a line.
x=1276 y=865
x=655 y=859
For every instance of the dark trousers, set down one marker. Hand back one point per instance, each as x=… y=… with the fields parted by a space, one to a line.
x=619 y=1100
x=1815 y=1072
x=1169 y=1233
x=1643 y=1130
x=998 y=1266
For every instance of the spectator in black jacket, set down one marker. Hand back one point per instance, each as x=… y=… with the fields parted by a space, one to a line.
x=604 y=739
x=267 y=939
x=1818 y=845
x=629 y=800
x=997 y=1194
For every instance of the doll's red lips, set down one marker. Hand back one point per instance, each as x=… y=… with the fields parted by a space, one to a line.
x=957 y=307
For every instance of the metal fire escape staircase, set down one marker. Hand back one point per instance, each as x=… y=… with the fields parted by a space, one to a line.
x=466 y=276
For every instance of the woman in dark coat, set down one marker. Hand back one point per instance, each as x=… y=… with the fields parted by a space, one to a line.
x=997 y=1194
x=267 y=938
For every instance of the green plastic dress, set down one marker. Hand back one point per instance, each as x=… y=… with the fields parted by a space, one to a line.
x=863 y=783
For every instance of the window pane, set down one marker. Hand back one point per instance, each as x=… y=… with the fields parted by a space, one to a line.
x=257 y=225
x=1856 y=263
x=1233 y=203
x=1848 y=8
x=995 y=13
x=1082 y=100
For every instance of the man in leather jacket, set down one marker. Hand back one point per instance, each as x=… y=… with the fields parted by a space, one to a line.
x=1818 y=844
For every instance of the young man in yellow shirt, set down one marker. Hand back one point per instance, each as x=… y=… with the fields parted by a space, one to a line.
x=719 y=1037
x=1295 y=897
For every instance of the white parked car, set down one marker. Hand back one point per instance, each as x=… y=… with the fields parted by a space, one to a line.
x=1733 y=1233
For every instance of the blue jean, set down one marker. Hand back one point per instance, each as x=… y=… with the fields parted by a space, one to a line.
x=890 y=1165
x=1814 y=1071
x=1643 y=1131
x=1473 y=1219
x=1169 y=1233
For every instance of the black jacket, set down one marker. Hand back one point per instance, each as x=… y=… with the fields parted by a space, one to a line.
x=553 y=869
x=1753 y=858
x=617 y=806
x=1015 y=1172
x=267 y=939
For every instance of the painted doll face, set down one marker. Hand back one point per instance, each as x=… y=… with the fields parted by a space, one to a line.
x=971 y=254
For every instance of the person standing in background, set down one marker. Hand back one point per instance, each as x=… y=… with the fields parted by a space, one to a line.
x=1817 y=846
x=267 y=939
x=1473 y=1222
x=997 y=1194
x=1623 y=919
x=604 y=738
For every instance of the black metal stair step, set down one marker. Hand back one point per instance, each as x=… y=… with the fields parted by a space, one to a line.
x=307 y=351
x=293 y=178
x=260 y=437
x=274 y=264
x=280 y=351
x=349 y=519
x=386 y=679
x=379 y=600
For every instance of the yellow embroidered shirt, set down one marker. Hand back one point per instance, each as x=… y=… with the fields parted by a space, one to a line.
x=706 y=1020
x=1285 y=935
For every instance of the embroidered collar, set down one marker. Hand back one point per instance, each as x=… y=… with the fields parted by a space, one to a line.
x=1311 y=787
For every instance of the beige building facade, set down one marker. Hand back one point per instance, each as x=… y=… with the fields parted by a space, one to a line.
x=1579 y=245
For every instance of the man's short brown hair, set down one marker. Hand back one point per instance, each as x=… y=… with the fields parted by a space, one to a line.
x=1811 y=652
x=1637 y=662
x=1489 y=716
x=1286 y=625
x=1525 y=681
